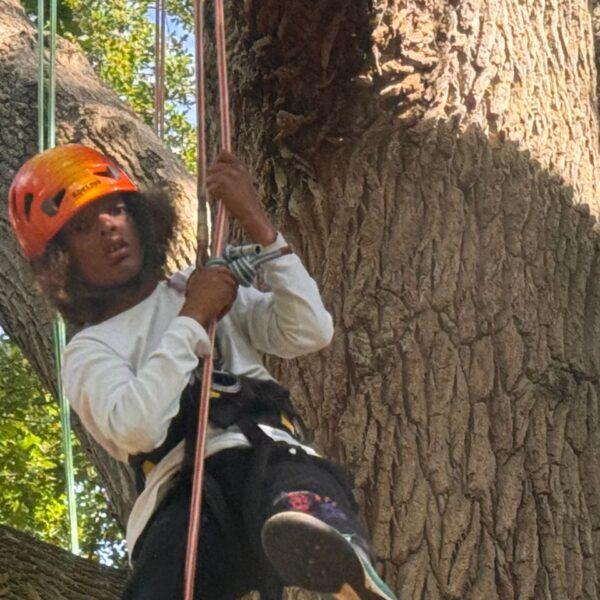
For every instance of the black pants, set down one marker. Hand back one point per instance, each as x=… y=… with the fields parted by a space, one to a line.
x=240 y=488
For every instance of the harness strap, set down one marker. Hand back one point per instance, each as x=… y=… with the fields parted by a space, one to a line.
x=254 y=434
x=242 y=401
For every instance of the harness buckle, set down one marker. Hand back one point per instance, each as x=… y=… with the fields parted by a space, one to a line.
x=225 y=383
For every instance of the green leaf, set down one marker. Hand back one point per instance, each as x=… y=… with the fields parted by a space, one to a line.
x=33 y=493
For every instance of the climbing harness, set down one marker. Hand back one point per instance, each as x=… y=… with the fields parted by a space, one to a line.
x=250 y=404
x=47 y=139
x=234 y=400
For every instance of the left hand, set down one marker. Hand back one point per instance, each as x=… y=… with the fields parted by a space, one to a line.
x=228 y=180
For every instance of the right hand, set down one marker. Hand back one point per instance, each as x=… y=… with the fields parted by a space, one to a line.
x=210 y=294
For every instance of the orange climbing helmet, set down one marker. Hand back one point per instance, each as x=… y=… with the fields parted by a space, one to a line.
x=53 y=186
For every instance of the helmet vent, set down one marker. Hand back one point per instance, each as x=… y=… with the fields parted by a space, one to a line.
x=110 y=172
x=51 y=206
x=27 y=205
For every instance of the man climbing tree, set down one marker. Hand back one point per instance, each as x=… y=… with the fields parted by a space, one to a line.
x=432 y=164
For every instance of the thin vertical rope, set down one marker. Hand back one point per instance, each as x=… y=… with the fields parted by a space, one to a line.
x=163 y=62
x=52 y=76
x=47 y=132
x=59 y=334
x=201 y=161
x=41 y=17
x=160 y=28
x=221 y=225
x=156 y=66
x=217 y=249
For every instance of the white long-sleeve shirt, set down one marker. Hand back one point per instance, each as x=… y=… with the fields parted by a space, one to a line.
x=124 y=376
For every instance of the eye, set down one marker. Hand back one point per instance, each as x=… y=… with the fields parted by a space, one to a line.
x=118 y=210
x=79 y=225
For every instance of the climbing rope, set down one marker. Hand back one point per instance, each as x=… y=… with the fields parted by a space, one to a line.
x=59 y=337
x=47 y=139
x=160 y=27
x=219 y=235
x=41 y=88
x=201 y=166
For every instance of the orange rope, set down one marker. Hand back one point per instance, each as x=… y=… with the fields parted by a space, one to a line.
x=219 y=235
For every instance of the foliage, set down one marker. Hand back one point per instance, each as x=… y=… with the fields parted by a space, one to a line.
x=118 y=38
x=33 y=494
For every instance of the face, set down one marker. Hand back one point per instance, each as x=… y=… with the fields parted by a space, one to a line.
x=104 y=242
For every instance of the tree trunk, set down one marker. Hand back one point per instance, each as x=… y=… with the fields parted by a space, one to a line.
x=432 y=162
x=435 y=163
x=33 y=570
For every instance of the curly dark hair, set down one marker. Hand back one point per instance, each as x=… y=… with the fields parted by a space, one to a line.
x=81 y=303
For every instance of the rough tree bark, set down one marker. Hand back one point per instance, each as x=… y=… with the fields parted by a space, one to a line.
x=436 y=164
x=433 y=162
x=44 y=572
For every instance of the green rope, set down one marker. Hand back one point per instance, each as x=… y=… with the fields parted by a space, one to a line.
x=41 y=84
x=58 y=328
x=59 y=335
x=52 y=76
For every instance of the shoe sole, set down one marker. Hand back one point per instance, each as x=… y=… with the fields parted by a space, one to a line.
x=309 y=554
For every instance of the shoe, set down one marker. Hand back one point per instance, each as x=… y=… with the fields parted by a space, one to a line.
x=308 y=553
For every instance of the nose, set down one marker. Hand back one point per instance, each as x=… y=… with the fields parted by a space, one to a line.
x=106 y=223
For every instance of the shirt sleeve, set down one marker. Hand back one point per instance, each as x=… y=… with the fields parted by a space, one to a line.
x=129 y=412
x=290 y=320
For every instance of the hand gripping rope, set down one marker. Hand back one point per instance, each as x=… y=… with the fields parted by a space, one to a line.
x=243 y=261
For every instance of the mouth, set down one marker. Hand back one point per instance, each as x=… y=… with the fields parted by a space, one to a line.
x=117 y=250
